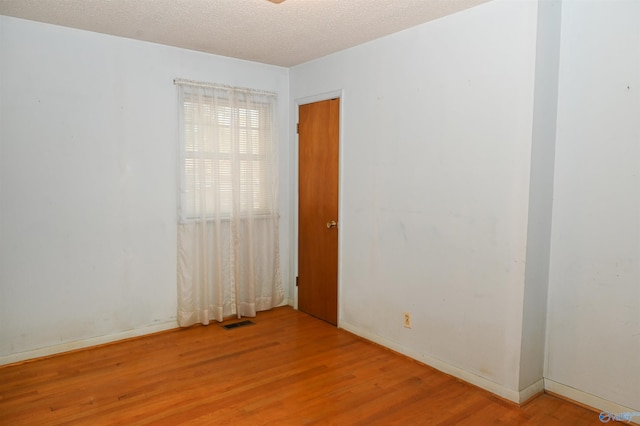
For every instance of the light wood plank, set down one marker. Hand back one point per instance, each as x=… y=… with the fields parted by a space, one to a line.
x=287 y=369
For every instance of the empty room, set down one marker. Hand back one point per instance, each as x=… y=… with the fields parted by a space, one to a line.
x=319 y=212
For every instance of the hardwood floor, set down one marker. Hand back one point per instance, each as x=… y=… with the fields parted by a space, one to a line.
x=287 y=369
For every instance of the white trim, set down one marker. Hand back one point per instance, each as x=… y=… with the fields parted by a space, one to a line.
x=568 y=392
x=287 y=301
x=531 y=391
x=317 y=98
x=204 y=84
x=593 y=401
x=86 y=343
x=459 y=373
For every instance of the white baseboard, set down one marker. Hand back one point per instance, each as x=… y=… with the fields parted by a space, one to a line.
x=595 y=402
x=459 y=373
x=531 y=391
x=94 y=341
x=589 y=400
x=286 y=302
x=85 y=343
x=495 y=388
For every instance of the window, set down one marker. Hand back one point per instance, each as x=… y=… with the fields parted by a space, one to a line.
x=228 y=259
x=227 y=159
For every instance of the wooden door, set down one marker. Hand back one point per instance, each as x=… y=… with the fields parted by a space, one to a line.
x=318 y=143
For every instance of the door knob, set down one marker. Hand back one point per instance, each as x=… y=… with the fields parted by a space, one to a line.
x=332 y=224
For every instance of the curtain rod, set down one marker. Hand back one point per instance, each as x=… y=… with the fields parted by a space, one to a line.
x=184 y=82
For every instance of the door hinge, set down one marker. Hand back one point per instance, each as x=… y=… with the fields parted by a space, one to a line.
x=296 y=281
x=298 y=128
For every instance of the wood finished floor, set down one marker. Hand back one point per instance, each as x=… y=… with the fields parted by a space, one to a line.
x=287 y=369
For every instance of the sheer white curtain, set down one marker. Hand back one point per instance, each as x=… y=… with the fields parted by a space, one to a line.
x=228 y=254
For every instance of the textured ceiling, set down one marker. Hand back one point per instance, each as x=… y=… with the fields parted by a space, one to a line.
x=284 y=34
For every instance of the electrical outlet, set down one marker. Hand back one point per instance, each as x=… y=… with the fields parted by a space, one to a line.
x=407 y=320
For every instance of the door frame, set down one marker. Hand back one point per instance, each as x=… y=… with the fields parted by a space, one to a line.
x=295 y=190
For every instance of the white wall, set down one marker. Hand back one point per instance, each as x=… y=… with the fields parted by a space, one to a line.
x=87 y=182
x=532 y=354
x=436 y=148
x=594 y=301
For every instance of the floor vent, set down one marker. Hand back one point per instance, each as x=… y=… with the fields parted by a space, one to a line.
x=238 y=324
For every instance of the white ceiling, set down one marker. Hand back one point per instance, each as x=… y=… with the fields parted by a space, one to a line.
x=284 y=34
